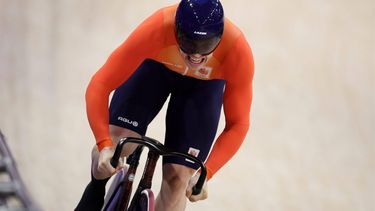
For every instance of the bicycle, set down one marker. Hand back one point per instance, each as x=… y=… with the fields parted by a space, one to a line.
x=119 y=193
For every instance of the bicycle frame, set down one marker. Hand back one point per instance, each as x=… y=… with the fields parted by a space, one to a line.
x=156 y=149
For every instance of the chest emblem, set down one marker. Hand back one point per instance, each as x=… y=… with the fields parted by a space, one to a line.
x=203 y=72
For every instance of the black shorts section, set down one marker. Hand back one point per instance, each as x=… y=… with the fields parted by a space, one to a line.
x=192 y=118
x=137 y=101
x=193 y=110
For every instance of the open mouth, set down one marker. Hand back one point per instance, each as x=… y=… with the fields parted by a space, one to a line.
x=194 y=60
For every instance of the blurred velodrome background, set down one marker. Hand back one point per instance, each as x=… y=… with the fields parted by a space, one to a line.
x=311 y=144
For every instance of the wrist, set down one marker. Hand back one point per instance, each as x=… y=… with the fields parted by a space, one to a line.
x=104 y=143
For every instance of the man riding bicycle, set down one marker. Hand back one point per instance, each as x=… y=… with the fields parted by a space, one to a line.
x=193 y=54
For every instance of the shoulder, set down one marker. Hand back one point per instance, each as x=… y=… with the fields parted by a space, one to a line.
x=231 y=31
x=167 y=13
x=234 y=52
x=162 y=19
x=232 y=35
x=232 y=41
x=156 y=24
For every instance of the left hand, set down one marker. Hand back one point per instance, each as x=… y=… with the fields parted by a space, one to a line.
x=202 y=196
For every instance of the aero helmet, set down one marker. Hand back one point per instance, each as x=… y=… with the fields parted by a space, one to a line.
x=199 y=25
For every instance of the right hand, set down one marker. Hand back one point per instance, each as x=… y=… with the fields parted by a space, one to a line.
x=104 y=168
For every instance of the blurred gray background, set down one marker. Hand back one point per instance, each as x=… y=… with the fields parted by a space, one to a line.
x=311 y=144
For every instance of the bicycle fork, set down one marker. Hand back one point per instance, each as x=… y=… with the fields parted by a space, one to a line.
x=146 y=180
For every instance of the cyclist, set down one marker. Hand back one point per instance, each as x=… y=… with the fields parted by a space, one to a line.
x=193 y=54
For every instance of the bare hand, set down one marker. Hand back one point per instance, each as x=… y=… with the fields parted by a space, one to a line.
x=104 y=168
x=202 y=195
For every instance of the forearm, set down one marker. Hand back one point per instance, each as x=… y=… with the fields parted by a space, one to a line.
x=97 y=112
x=225 y=147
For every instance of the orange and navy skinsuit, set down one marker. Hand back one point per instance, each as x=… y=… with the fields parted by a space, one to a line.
x=154 y=39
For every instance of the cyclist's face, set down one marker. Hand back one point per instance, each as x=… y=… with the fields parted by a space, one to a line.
x=195 y=61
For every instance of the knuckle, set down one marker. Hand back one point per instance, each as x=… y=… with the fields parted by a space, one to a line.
x=192 y=199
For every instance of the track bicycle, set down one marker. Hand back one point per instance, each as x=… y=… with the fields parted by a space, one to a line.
x=119 y=194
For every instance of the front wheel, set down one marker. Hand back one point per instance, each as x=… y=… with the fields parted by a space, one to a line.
x=146 y=201
x=113 y=194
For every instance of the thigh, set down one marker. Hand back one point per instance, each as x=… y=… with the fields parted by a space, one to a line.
x=192 y=119
x=174 y=174
x=117 y=133
x=137 y=101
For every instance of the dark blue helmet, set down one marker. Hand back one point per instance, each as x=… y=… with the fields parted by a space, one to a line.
x=199 y=25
